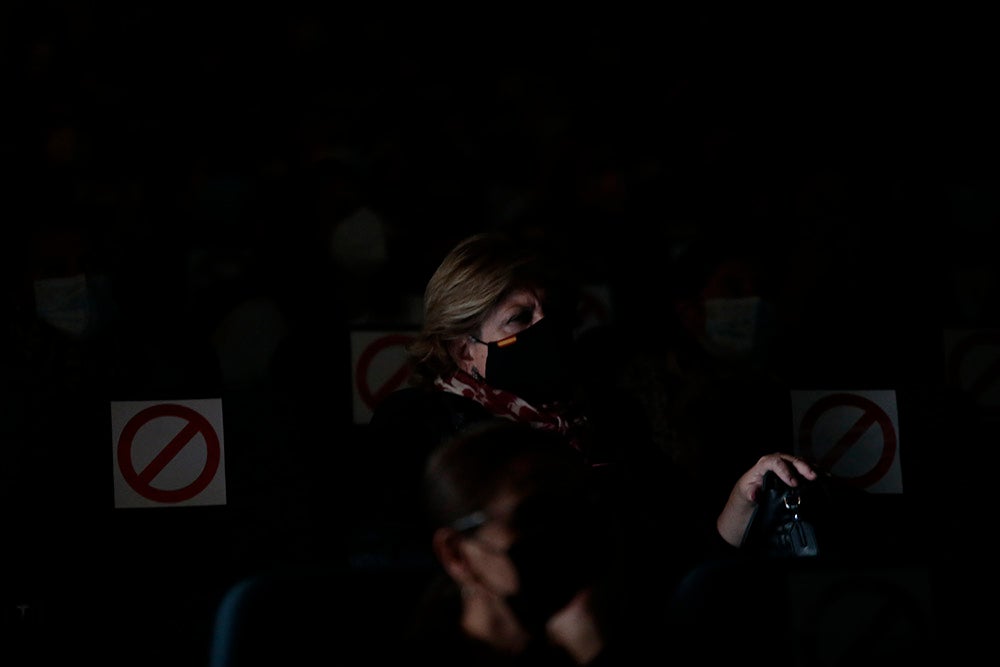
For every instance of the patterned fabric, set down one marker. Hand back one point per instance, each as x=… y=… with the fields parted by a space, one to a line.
x=559 y=417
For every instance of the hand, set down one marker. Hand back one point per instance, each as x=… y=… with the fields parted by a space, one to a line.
x=735 y=516
x=576 y=630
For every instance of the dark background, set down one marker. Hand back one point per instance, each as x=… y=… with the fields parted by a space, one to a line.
x=193 y=160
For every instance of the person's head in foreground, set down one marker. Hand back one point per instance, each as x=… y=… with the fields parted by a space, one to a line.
x=516 y=530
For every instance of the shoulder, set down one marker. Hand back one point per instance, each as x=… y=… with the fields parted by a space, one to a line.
x=423 y=403
x=402 y=402
x=425 y=413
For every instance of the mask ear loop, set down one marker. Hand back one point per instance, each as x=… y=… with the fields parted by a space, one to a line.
x=475 y=371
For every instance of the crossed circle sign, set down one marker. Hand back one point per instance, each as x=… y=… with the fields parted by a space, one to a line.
x=871 y=414
x=142 y=480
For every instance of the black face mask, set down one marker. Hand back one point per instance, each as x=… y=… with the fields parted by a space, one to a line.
x=545 y=586
x=554 y=562
x=533 y=364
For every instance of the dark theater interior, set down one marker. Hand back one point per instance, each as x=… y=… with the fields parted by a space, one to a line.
x=225 y=214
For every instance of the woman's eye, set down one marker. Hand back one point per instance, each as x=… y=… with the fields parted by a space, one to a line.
x=521 y=317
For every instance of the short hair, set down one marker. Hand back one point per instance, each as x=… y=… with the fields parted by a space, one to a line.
x=470 y=469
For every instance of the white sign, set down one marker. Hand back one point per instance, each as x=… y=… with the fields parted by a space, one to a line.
x=168 y=453
x=853 y=435
x=379 y=365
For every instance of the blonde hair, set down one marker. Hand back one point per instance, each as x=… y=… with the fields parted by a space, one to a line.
x=472 y=279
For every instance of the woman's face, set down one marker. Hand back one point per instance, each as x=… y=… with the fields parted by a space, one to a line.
x=532 y=553
x=486 y=549
x=513 y=315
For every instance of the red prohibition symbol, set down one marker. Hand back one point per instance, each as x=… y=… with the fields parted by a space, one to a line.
x=142 y=480
x=872 y=413
x=371 y=398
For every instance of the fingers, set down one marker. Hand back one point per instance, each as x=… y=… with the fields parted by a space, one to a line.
x=804 y=468
x=788 y=467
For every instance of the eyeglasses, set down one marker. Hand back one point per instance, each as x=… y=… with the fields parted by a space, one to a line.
x=539 y=512
x=556 y=522
x=470 y=522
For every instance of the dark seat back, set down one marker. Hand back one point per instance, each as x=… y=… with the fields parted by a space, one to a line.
x=806 y=611
x=336 y=617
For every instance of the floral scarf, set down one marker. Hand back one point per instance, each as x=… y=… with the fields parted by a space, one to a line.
x=559 y=417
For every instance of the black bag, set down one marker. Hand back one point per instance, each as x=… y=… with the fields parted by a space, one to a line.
x=784 y=522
